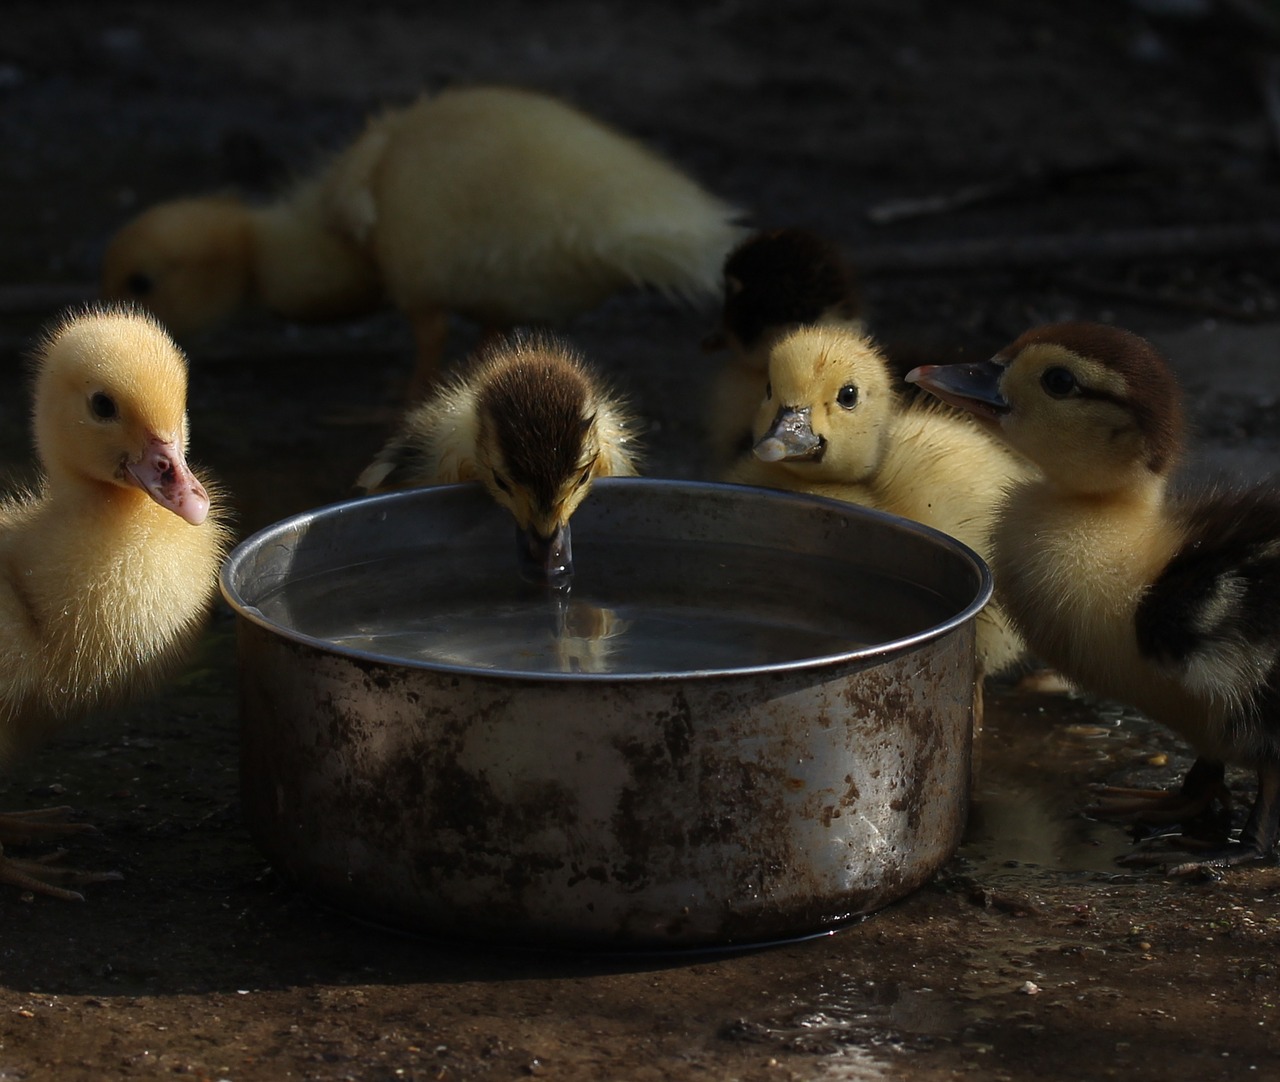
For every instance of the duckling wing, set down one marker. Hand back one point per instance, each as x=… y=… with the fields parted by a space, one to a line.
x=1212 y=616
x=436 y=445
x=619 y=433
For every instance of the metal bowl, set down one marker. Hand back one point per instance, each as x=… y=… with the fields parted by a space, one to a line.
x=724 y=801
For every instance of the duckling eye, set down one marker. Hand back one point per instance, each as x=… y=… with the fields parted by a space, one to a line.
x=502 y=483
x=103 y=406
x=139 y=284
x=586 y=476
x=1058 y=381
x=847 y=396
x=768 y=390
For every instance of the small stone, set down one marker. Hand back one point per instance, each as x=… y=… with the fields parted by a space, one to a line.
x=1029 y=988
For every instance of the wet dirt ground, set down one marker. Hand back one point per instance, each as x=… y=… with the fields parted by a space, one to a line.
x=1128 y=170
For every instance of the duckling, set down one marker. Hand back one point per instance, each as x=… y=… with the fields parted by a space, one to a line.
x=1167 y=602
x=108 y=568
x=830 y=425
x=501 y=204
x=774 y=281
x=533 y=423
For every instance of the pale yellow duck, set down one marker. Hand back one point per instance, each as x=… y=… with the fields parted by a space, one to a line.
x=830 y=424
x=534 y=424
x=110 y=565
x=501 y=204
x=1170 y=603
x=774 y=281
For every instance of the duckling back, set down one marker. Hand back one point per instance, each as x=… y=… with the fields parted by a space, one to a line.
x=513 y=207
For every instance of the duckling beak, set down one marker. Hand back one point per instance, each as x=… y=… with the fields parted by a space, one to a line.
x=791 y=438
x=546 y=559
x=162 y=473
x=974 y=387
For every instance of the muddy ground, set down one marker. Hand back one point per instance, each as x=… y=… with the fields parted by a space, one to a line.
x=1129 y=172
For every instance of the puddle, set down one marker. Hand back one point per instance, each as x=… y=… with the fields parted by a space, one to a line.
x=1037 y=756
x=1035 y=870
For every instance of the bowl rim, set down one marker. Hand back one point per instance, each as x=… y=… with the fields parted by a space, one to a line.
x=871 y=653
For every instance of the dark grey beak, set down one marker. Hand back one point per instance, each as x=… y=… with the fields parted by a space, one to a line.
x=974 y=387
x=546 y=560
x=791 y=438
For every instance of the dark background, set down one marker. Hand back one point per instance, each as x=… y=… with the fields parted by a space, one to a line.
x=1099 y=160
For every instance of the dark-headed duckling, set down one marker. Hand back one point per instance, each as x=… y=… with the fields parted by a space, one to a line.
x=1171 y=604
x=529 y=420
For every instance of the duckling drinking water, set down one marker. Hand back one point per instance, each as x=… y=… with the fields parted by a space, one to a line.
x=111 y=563
x=500 y=204
x=1170 y=603
x=535 y=425
x=831 y=425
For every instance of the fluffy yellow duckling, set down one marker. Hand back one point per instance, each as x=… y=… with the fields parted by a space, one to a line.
x=1168 y=603
x=774 y=281
x=504 y=205
x=110 y=565
x=830 y=425
x=531 y=422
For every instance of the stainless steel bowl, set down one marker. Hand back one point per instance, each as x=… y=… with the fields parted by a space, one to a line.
x=713 y=804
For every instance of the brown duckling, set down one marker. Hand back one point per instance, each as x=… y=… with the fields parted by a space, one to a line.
x=1170 y=603
x=534 y=424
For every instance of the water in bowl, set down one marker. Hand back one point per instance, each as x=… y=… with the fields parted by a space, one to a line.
x=673 y=608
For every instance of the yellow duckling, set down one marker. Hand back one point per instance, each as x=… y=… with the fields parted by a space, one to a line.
x=831 y=425
x=774 y=281
x=530 y=421
x=503 y=205
x=1168 y=603
x=110 y=566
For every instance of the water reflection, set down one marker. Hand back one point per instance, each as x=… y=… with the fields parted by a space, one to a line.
x=585 y=635
x=1037 y=757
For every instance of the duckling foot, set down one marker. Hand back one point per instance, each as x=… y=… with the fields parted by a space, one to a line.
x=36 y=824
x=1203 y=786
x=1044 y=682
x=38 y=875
x=1216 y=860
x=1257 y=841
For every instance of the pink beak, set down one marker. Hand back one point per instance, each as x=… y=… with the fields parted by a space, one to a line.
x=162 y=473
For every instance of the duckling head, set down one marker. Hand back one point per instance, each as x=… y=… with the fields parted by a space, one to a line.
x=538 y=446
x=110 y=408
x=1095 y=407
x=782 y=278
x=188 y=261
x=827 y=406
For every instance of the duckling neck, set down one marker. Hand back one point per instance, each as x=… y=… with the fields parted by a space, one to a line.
x=132 y=571
x=303 y=268
x=117 y=519
x=1071 y=567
